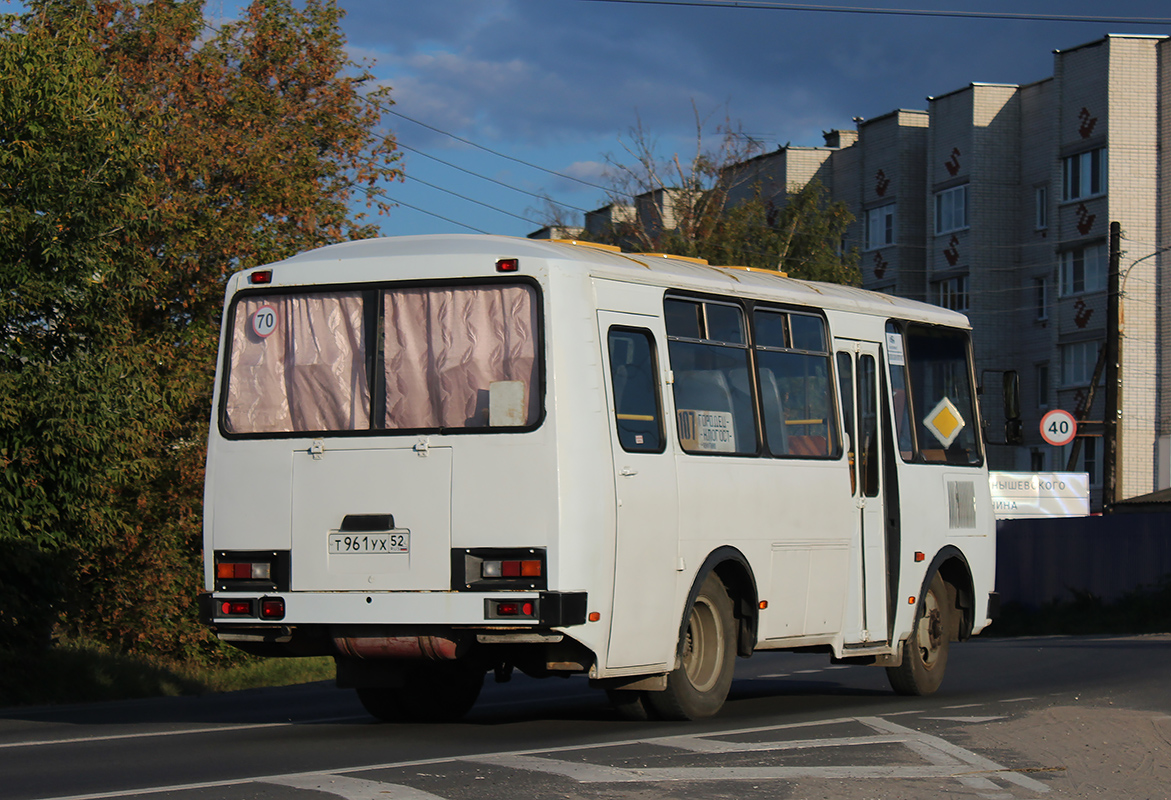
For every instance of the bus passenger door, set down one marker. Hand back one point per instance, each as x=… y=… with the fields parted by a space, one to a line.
x=643 y=625
x=859 y=392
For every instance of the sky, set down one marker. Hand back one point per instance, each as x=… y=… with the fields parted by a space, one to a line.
x=500 y=104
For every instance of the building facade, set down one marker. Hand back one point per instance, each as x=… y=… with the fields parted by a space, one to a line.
x=997 y=201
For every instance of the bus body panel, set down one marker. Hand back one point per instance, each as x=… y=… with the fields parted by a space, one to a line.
x=629 y=529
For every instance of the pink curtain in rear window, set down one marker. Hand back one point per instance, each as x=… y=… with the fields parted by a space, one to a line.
x=307 y=374
x=444 y=348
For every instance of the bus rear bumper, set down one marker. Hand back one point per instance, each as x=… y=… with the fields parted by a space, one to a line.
x=543 y=609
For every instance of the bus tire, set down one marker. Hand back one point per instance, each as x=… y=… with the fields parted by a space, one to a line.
x=431 y=693
x=698 y=687
x=925 y=651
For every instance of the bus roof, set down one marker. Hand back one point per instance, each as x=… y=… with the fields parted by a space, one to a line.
x=322 y=265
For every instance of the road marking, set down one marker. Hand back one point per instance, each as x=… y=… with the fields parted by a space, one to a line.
x=944 y=761
x=970 y=720
x=352 y=788
x=179 y=732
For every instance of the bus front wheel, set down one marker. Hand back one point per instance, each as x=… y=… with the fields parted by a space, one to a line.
x=925 y=651
x=698 y=687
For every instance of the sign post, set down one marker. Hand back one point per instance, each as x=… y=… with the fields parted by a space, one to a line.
x=1058 y=427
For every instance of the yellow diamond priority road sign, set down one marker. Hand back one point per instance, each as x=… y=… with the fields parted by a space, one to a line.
x=945 y=422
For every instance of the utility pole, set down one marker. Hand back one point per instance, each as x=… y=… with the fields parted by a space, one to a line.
x=1111 y=440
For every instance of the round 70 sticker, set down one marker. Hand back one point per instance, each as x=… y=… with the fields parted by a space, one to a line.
x=1058 y=427
x=264 y=321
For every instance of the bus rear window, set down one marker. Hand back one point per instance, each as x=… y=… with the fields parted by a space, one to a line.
x=399 y=359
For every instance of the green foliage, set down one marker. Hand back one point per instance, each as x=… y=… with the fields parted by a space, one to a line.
x=77 y=671
x=801 y=238
x=696 y=207
x=142 y=160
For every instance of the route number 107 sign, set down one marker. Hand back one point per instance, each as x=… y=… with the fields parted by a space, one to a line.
x=1058 y=427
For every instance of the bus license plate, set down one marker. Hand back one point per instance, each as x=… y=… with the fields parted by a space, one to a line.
x=369 y=543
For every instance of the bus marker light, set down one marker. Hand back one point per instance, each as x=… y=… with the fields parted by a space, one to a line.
x=260 y=276
x=272 y=608
x=236 y=608
x=594 y=616
x=919 y=556
x=762 y=605
x=910 y=601
x=502 y=609
x=507 y=264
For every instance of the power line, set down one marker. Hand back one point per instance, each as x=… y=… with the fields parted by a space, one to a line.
x=431 y=213
x=486 y=178
x=470 y=199
x=487 y=149
x=766 y=5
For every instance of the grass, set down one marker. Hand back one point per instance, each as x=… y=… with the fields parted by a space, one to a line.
x=80 y=672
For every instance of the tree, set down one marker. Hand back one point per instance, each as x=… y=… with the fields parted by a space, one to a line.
x=247 y=144
x=686 y=207
x=69 y=181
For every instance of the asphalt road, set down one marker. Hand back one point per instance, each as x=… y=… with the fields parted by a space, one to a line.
x=1016 y=718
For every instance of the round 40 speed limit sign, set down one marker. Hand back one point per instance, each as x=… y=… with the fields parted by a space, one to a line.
x=1058 y=427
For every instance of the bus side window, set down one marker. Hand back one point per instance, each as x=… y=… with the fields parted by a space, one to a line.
x=714 y=400
x=846 y=395
x=796 y=382
x=633 y=372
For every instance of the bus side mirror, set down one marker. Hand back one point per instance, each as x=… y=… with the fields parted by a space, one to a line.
x=1013 y=428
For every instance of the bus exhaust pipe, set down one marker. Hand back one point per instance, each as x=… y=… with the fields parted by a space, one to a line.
x=404 y=647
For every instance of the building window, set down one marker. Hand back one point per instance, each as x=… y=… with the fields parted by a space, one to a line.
x=1037 y=461
x=1041 y=372
x=1083 y=175
x=951 y=209
x=1077 y=363
x=1090 y=460
x=1041 y=208
x=880 y=227
x=1084 y=269
x=953 y=293
x=1041 y=298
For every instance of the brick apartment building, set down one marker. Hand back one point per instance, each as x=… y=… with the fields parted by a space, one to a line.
x=997 y=201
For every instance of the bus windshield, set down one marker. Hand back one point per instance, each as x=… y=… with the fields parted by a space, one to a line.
x=388 y=359
x=931 y=365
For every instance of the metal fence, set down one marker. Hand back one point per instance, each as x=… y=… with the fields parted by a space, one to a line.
x=1046 y=560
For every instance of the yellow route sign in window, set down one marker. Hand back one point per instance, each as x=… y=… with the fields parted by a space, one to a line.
x=945 y=422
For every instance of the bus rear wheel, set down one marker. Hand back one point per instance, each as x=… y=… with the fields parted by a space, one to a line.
x=698 y=687
x=430 y=693
x=925 y=651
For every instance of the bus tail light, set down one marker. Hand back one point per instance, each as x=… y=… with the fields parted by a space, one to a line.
x=490 y=569
x=511 y=609
x=529 y=568
x=243 y=571
x=251 y=571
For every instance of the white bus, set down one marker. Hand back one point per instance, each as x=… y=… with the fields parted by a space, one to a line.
x=434 y=457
